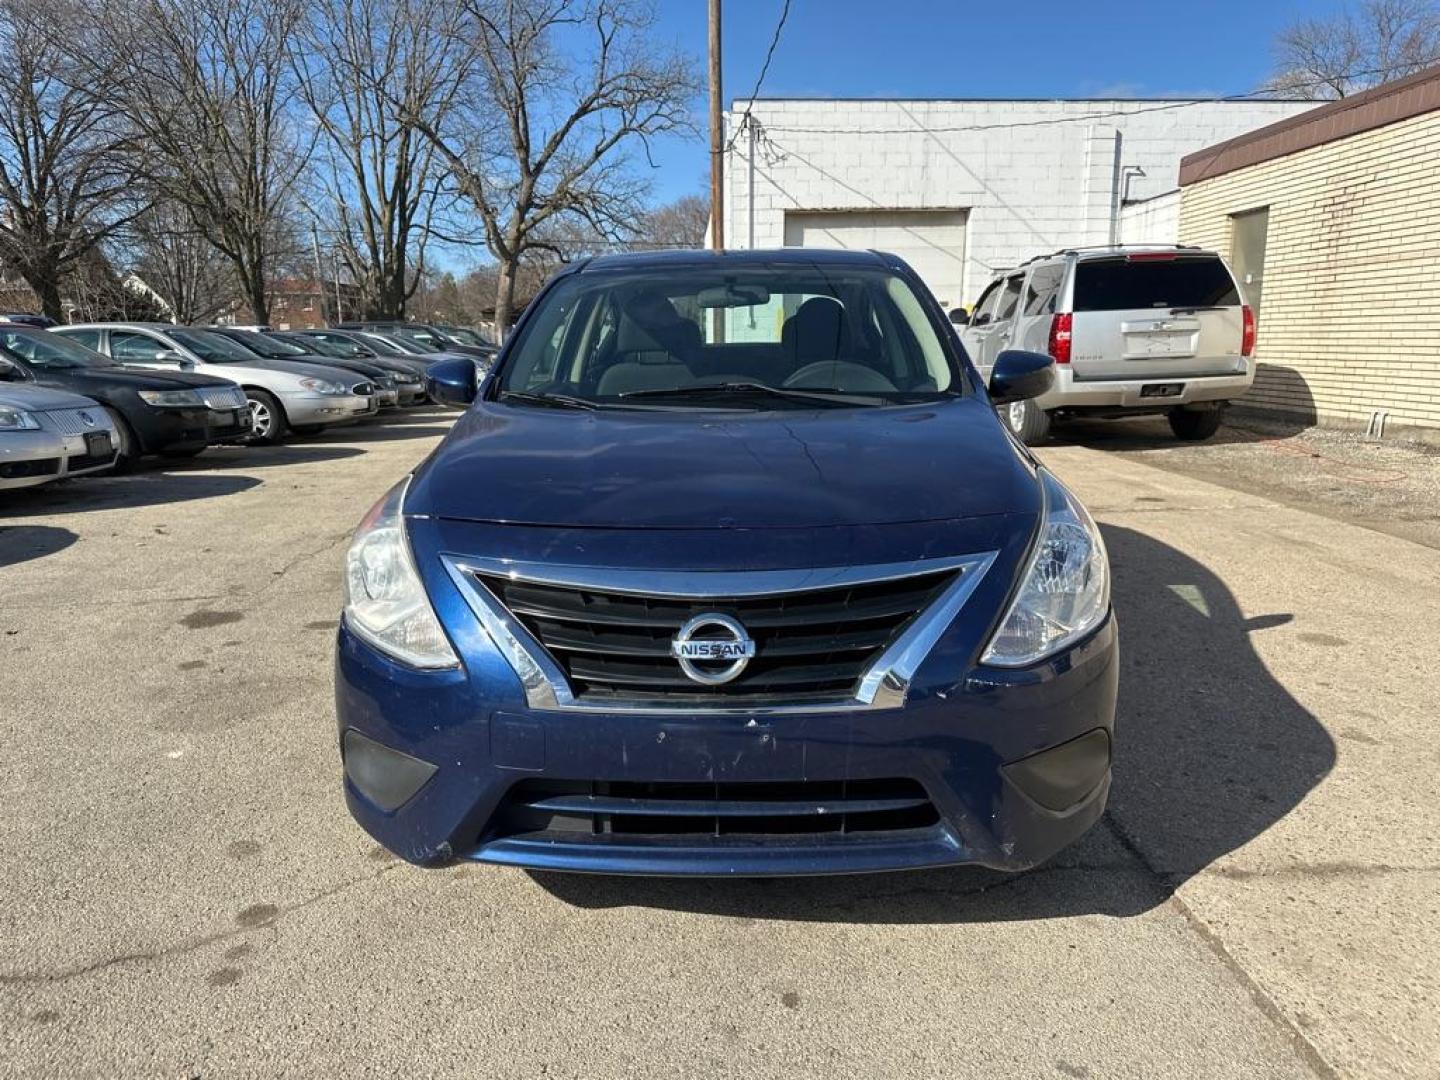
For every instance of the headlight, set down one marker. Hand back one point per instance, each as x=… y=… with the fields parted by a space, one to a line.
x=17 y=420
x=172 y=399
x=385 y=602
x=1065 y=592
x=324 y=386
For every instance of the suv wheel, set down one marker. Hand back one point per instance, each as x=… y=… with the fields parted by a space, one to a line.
x=1192 y=426
x=267 y=418
x=1029 y=423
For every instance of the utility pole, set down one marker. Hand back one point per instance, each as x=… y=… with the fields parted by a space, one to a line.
x=717 y=136
x=319 y=274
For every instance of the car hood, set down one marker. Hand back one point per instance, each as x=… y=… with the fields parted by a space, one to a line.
x=297 y=370
x=30 y=397
x=727 y=470
x=119 y=377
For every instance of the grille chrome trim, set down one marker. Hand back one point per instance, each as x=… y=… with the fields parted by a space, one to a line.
x=68 y=422
x=885 y=684
x=221 y=398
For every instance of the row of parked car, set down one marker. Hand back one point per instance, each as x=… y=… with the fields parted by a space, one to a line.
x=96 y=397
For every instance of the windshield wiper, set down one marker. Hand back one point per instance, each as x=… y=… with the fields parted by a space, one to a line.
x=831 y=398
x=554 y=401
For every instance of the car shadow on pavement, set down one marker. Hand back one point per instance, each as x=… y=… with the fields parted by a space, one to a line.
x=1153 y=433
x=22 y=543
x=88 y=493
x=1211 y=751
x=246 y=457
x=382 y=431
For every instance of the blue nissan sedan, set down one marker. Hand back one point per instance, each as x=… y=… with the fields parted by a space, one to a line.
x=729 y=568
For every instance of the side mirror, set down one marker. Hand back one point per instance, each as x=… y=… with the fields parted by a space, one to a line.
x=959 y=316
x=11 y=371
x=1019 y=375
x=171 y=356
x=453 y=383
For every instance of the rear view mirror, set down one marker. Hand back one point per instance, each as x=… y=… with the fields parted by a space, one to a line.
x=1019 y=375
x=731 y=296
x=959 y=316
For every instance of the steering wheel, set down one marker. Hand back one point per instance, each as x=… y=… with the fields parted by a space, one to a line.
x=839 y=375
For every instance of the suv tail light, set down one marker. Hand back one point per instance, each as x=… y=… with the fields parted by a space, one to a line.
x=1247 y=333
x=1059 y=346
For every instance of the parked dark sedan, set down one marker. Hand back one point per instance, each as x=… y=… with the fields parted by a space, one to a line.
x=361 y=346
x=409 y=383
x=176 y=414
x=270 y=347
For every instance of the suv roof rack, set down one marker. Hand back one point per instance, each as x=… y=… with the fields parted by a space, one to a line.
x=1079 y=248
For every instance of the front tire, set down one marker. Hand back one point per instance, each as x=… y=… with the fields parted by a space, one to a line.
x=267 y=418
x=1192 y=426
x=127 y=444
x=1027 y=422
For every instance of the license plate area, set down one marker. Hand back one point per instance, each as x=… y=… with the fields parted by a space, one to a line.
x=98 y=444
x=1162 y=390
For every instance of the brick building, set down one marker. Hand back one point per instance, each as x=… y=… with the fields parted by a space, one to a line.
x=963 y=187
x=1332 y=221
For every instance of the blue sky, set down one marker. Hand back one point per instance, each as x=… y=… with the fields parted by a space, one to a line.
x=949 y=48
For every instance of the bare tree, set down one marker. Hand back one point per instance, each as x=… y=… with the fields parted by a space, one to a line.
x=1361 y=47
x=66 y=170
x=365 y=67
x=181 y=268
x=546 y=131
x=680 y=224
x=210 y=86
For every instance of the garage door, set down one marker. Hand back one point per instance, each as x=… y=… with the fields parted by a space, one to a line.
x=932 y=241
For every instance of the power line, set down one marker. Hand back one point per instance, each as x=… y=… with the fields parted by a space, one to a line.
x=1247 y=95
x=760 y=80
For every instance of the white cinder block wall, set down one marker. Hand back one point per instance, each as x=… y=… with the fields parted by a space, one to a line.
x=1027 y=183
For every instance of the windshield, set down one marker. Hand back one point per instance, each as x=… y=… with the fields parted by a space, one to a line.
x=213 y=348
x=42 y=349
x=465 y=336
x=421 y=340
x=265 y=345
x=334 y=347
x=762 y=337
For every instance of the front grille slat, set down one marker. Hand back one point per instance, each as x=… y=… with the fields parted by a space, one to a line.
x=712 y=810
x=615 y=646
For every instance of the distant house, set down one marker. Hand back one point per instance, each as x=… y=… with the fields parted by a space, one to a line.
x=302 y=304
x=1331 y=219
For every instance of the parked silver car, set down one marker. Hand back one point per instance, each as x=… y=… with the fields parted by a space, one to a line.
x=282 y=396
x=47 y=434
x=1134 y=330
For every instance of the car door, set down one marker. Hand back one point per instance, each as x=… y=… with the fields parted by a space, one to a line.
x=974 y=332
x=135 y=348
x=995 y=334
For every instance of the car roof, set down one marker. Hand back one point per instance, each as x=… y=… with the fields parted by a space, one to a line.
x=794 y=256
x=162 y=326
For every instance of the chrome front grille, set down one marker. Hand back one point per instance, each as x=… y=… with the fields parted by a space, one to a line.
x=220 y=398
x=75 y=422
x=603 y=640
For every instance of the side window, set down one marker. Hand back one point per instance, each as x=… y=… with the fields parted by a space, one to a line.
x=89 y=338
x=1009 y=299
x=985 y=306
x=126 y=347
x=1040 y=292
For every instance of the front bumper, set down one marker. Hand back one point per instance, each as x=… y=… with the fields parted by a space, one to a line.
x=162 y=429
x=328 y=409
x=30 y=458
x=1068 y=392
x=468 y=748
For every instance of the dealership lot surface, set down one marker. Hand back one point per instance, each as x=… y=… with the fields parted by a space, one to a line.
x=184 y=894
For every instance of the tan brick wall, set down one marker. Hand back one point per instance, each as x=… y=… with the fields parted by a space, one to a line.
x=1351 y=303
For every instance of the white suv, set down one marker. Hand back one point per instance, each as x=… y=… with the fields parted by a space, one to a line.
x=1134 y=331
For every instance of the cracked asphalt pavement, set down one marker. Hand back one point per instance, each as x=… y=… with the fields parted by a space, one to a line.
x=184 y=894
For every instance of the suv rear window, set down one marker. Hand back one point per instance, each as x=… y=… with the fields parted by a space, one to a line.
x=1121 y=285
